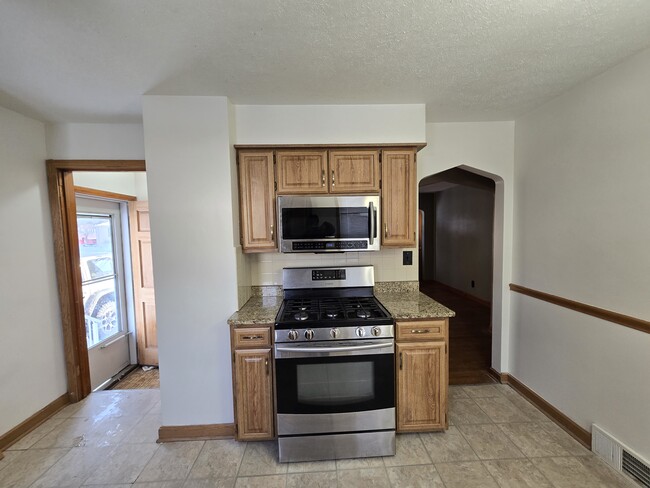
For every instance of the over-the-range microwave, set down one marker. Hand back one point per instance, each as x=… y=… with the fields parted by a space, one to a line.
x=328 y=223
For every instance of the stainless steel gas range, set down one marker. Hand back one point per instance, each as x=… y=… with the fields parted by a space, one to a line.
x=334 y=363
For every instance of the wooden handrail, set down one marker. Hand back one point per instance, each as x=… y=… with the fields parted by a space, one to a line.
x=601 y=313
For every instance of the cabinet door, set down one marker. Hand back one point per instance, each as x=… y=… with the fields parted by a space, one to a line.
x=256 y=201
x=398 y=207
x=302 y=172
x=254 y=394
x=354 y=171
x=421 y=386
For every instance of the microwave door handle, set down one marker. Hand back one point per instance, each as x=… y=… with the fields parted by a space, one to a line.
x=372 y=215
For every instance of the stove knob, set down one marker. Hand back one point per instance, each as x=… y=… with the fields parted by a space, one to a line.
x=309 y=334
x=376 y=331
x=334 y=333
x=360 y=331
x=293 y=335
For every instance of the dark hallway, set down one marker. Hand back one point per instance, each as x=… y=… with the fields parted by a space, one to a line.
x=469 y=335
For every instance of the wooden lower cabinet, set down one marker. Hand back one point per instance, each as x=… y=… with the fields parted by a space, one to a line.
x=421 y=385
x=253 y=385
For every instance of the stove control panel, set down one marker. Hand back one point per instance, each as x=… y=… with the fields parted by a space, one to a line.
x=327 y=274
x=333 y=333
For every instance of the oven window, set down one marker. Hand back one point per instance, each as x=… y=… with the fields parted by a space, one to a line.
x=325 y=223
x=335 y=384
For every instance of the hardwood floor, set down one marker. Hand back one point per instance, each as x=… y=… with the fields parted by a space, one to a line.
x=470 y=338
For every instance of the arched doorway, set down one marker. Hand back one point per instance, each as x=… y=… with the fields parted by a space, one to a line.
x=460 y=245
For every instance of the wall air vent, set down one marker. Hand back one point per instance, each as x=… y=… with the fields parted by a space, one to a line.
x=618 y=456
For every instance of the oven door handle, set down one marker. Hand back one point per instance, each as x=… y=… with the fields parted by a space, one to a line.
x=380 y=345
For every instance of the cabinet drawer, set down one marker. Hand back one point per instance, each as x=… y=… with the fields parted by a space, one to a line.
x=252 y=337
x=422 y=330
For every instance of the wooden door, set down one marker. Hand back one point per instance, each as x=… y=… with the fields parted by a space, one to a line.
x=143 y=289
x=354 y=171
x=256 y=201
x=398 y=206
x=254 y=394
x=302 y=172
x=421 y=388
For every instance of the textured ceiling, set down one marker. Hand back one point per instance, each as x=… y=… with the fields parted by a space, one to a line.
x=90 y=61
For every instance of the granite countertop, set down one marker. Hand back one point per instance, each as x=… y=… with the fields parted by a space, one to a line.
x=402 y=299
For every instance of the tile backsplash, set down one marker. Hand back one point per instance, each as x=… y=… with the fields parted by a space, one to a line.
x=266 y=268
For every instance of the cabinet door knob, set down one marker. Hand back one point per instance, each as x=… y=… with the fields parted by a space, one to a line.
x=333 y=182
x=266 y=364
x=271 y=231
x=322 y=177
x=385 y=229
x=400 y=360
x=420 y=331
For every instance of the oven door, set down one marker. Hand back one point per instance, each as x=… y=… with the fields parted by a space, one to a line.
x=337 y=386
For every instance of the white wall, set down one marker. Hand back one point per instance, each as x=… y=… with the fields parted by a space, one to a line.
x=582 y=232
x=330 y=124
x=486 y=148
x=463 y=239
x=95 y=141
x=32 y=368
x=189 y=173
x=116 y=182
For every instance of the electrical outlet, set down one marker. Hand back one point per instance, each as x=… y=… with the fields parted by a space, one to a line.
x=407 y=258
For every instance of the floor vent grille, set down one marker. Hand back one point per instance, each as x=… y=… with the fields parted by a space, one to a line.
x=619 y=456
x=636 y=468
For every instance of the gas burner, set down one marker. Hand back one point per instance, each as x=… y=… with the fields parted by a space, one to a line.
x=331 y=314
x=363 y=314
x=302 y=315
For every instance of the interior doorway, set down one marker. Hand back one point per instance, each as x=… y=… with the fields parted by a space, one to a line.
x=456 y=265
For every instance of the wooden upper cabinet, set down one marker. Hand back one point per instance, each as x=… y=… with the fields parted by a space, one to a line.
x=257 y=201
x=353 y=171
x=398 y=192
x=302 y=172
x=421 y=387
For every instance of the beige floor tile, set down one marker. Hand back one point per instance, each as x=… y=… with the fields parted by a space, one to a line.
x=36 y=435
x=482 y=391
x=489 y=442
x=569 y=472
x=121 y=485
x=424 y=476
x=363 y=478
x=211 y=483
x=326 y=479
x=457 y=392
x=533 y=439
x=466 y=411
x=145 y=431
x=91 y=432
x=159 y=484
x=605 y=473
x=261 y=458
x=563 y=438
x=447 y=446
x=73 y=468
x=8 y=457
x=28 y=466
x=218 y=459
x=273 y=481
x=409 y=451
x=465 y=475
x=516 y=473
x=172 y=461
x=123 y=465
x=360 y=463
x=117 y=403
x=533 y=413
x=501 y=410
x=311 y=466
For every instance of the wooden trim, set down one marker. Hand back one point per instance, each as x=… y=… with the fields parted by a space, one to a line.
x=66 y=256
x=581 y=435
x=601 y=313
x=173 y=433
x=416 y=145
x=82 y=190
x=26 y=426
x=499 y=377
x=97 y=164
x=464 y=294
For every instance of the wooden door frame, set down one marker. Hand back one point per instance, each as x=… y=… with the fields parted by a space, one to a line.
x=63 y=209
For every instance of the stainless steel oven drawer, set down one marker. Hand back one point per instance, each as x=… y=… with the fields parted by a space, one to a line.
x=340 y=446
x=291 y=424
